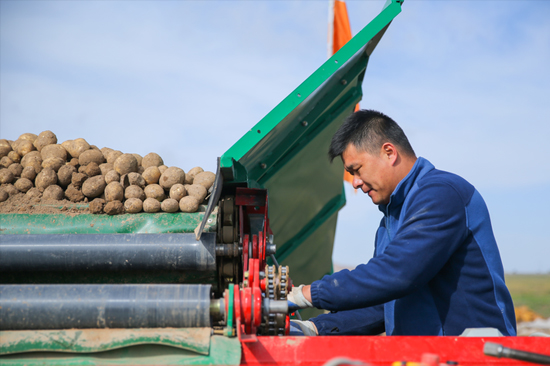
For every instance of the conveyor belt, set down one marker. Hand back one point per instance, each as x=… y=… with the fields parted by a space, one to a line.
x=104 y=306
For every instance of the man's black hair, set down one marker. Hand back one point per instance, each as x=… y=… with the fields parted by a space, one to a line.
x=368 y=130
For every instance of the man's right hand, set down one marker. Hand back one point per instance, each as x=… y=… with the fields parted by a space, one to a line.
x=299 y=328
x=296 y=299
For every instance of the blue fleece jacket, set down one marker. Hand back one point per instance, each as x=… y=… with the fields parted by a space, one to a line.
x=436 y=268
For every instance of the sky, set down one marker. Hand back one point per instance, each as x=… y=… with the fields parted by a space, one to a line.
x=468 y=81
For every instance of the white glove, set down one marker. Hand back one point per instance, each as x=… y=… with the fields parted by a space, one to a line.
x=297 y=300
x=307 y=327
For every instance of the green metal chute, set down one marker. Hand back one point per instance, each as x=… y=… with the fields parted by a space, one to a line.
x=286 y=152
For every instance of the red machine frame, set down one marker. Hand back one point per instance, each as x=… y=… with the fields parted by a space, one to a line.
x=377 y=350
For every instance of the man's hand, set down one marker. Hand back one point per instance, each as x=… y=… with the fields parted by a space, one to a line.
x=298 y=328
x=297 y=300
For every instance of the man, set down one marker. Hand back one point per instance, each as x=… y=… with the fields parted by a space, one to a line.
x=436 y=268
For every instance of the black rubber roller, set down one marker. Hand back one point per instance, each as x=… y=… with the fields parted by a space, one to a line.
x=103 y=306
x=107 y=252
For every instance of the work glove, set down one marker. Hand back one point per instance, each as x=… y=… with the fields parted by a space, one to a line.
x=296 y=299
x=300 y=328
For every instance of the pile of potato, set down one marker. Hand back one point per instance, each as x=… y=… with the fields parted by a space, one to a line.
x=113 y=182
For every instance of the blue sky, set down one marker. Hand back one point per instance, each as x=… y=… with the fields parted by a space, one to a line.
x=467 y=80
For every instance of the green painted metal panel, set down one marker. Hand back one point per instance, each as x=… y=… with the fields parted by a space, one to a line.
x=286 y=152
x=141 y=223
x=223 y=351
x=100 y=340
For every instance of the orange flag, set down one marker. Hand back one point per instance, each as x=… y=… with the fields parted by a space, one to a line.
x=339 y=28
x=339 y=33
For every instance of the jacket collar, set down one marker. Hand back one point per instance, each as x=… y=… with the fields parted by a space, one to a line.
x=419 y=169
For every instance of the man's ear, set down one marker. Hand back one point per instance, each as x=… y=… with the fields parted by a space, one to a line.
x=389 y=153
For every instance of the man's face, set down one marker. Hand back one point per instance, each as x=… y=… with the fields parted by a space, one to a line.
x=371 y=173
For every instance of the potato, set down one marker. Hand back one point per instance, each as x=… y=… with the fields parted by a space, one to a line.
x=45 y=178
x=53 y=192
x=29 y=173
x=94 y=186
x=189 y=204
x=23 y=184
x=73 y=193
x=53 y=163
x=171 y=176
x=91 y=170
x=53 y=151
x=28 y=137
x=114 y=208
x=12 y=191
x=93 y=147
x=5 y=147
x=23 y=147
x=125 y=181
x=73 y=162
x=136 y=179
x=78 y=179
x=113 y=155
x=17 y=169
x=133 y=205
x=105 y=151
x=190 y=175
x=6 y=176
x=151 y=175
x=106 y=168
x=14 y=156
x=140 y=169
x=65 y=175
x=34 y=193
x=177 y=192
x=90 y=156
x=67 y=145
x=45 y=138
x=126 y=163
x=76 y=147
x=3 y=195
x=134 y=192
x=151 y=159
x=5 y=162
x=162 y=169
x=169 y=205
x=205 y=179
x=33 y=159
x=197 y=191
x=112 y=176
x=138 y=158
x=97 y=205
x=154 y=191
x=151 y=205
x=114 y=192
